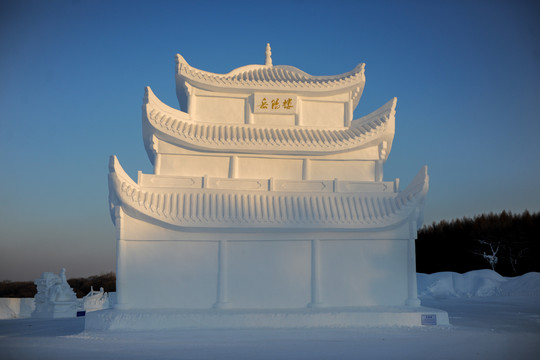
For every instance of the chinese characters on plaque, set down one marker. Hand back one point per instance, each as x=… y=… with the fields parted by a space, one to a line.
x=274 y=104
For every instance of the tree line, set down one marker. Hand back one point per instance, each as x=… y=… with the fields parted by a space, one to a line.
x=81 y=286
x=505 y=242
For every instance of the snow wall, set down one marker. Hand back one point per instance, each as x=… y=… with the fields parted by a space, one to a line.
x=13 y=308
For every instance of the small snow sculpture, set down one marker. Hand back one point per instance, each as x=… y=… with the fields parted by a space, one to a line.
x=55 y=298
x=96 y=300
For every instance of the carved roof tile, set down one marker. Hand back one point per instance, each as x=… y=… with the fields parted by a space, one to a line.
x=177 y=127
x=194 y=208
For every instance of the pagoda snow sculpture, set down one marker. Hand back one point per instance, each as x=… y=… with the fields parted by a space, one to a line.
x=267 y=207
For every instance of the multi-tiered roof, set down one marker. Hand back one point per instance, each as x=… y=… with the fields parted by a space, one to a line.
x=227 y=121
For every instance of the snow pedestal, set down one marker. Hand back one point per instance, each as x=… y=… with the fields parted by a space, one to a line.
x=55 y=298
x=372 y=316
x=267 y=203
x=252 y=279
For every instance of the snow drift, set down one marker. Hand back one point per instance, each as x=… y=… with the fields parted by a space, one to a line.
x=477 y=283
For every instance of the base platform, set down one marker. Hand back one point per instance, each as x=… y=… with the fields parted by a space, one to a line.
x=114 y=319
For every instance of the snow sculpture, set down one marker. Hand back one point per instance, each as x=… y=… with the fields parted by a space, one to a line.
x=96 y=300
x=55 y=298
x=267 y=204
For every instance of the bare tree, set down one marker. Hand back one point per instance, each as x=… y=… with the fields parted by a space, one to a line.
x=513 y=255
x=491 y=255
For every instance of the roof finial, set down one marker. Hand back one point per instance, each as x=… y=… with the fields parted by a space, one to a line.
x=268 y=61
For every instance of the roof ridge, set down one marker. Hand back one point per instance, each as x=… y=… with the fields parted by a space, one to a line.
x=276 y=75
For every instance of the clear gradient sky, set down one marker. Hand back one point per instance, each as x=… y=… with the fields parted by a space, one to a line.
x=466 y=75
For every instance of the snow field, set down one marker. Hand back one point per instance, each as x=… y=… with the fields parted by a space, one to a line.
x=492 y=318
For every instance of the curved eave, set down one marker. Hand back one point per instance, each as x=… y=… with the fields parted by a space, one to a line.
x=269 y=78
x=211 y=209
x=176 y=127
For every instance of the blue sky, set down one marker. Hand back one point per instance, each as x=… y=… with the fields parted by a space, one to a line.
x=466 y=75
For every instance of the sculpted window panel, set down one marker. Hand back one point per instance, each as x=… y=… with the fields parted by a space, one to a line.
x=343 y=170
x=187 y=165
x=324 y=114
x=220 y=110
x=257 y=168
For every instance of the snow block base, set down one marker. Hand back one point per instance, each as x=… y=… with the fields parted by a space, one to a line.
x=57 y=310
x=114 y=319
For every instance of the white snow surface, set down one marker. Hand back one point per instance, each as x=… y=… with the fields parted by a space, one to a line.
x=492 y=317
x=478 y=283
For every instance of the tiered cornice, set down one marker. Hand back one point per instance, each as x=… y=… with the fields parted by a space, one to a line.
x=269 y=77
x=177 y=127
x=216 y=209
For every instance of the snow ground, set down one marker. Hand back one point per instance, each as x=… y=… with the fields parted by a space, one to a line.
x=488 y=322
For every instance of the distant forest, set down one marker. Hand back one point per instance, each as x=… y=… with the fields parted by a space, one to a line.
x=507 y=243
x=81 y=286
